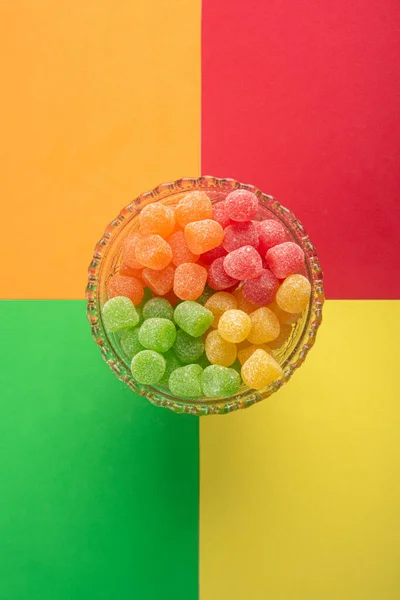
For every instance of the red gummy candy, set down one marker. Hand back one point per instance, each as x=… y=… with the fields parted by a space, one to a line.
x=220 y=215
x=270 y=233
x=285 y=259
x=241 y=205
x=218 y=279
x=208 y=257
x=240 y=234
x=261 y=291
x=243 y=263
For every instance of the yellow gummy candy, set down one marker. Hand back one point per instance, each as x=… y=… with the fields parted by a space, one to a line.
x=234 y=326
x=260 y=370
x=219 y=351
x=284 y=317
x=218 y=303
x=264 y=326
x=245 y=353
x=293 y=295
x=284 y=333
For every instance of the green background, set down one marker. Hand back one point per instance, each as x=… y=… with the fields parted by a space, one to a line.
x=99 y=493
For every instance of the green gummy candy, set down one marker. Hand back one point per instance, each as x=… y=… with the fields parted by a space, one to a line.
x=187 y=348
x=217 y=381
x=173 y=363
x=157 y=334
x=148 y=367
x=185 y=382
x=158 y=308
x=119 y=313
x=129 y=341
x=203 y=361
x=207 y=293
x=193 y=318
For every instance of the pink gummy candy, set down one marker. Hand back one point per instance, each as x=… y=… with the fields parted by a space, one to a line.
x=261 y=291
x=240 y=234
x=208 y=257
x=270 y=233
x=243 y=263
x=218 y=279
x=285 y=259
x=241 y=205
x=220 y=215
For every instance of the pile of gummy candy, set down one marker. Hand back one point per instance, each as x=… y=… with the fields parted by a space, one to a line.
x=225 y=290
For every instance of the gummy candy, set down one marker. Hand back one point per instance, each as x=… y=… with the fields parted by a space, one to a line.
x=245 y=353
x=129 y=341
x=240 y=234
x=219 y=351
x=189 y=281
x=264 y=326
x=270 y=233
x=129 y=272
x=148 y=367
x=195 y=206
x=218 y=303
x=285 y=259
x=193 y=318
x=156 y=218
x=153 y=252
x=285 y=318
x=220 y=214
x=261 y=291
x=188 y=348
x=234 y=325
x=185 y=381
x=218 y=381
x=158 y=308
x=172 y=363
x=128 y=251
x=157 y=334
x=120 y=285
x=119 y=313
x=217 y=278
x=241 y=205
x=202 y=236
x=294 y=294
x=243 y=304
x=180 y=250
x=243 y=263
x=284 y=333
x=208 y=257
x=260 y=369
x=207 y=293
x=159 y=281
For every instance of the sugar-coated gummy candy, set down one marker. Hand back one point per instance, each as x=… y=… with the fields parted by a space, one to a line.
x=217 y=381
x=153 y=251
x=261 y=291
x=129 y=272
x=285 y=259
x=245 y=353
x=172 y=298
x=208 y=257
x=180 y=250
x=260 y=369
x=270 y=233
x=220 y=214
x=202 y=236
x=203 y=361
x=284 y=334
x=159 y=281
x=157 y=334
x=285 y=318
x=120 y=313
x=120 y=285
x=218 y=303
x=148 y=367
x=242 y=303
x=172 y=363
x=217 y=278
x=156 y=218
x=188 y=348
x=195 y=206
x=193 y=318
x=189 y=281
x=241 y=205
x=240 y=234
x=207 y=293
x=185 y=382
x=219 y=351
x=158 y=308
x=243 y=263
x=129 y=342
x=128 y=251
x=293 y=295
x=264 y=326
x=234 y=325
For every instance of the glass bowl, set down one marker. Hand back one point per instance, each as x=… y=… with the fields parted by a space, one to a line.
x=106 y=261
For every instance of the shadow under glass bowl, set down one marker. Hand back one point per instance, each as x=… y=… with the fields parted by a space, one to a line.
x=107 y=259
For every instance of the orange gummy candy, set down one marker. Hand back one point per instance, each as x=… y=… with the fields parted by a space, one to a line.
x=160 y=282
x=242 y=303
x=189 y=281
x=202 y=236
x=195 y=206
x=180 y=250
x=153 y=252
x=157 y=218
x=120 y=285
x=128 y=251
x=129 y=272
